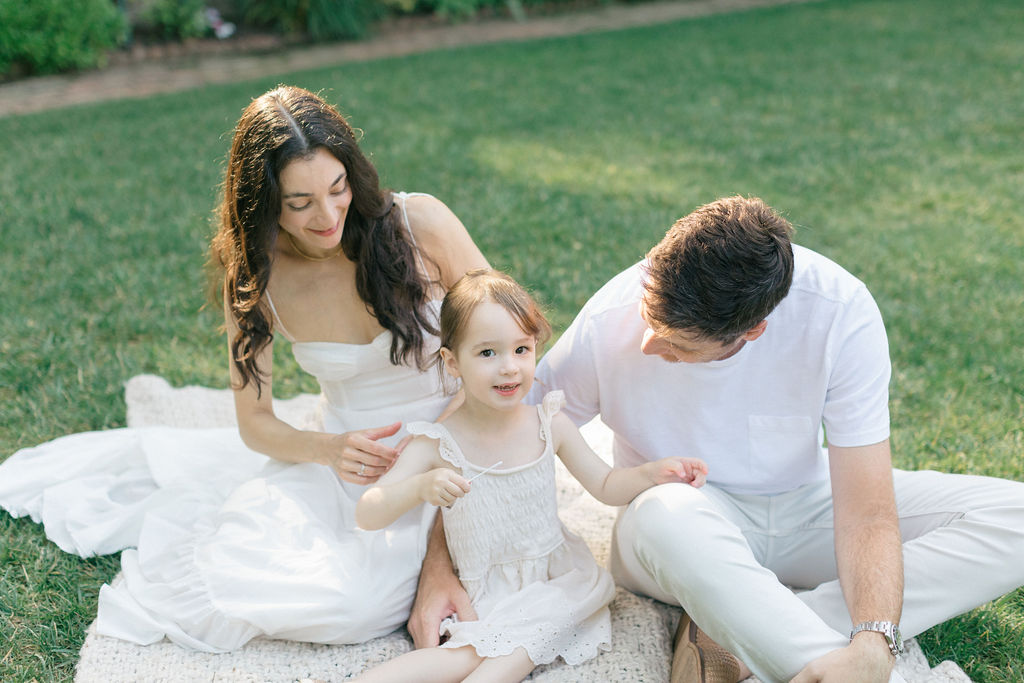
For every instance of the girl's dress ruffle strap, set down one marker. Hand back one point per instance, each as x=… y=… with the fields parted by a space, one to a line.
x=446 y=446
x=552 y=402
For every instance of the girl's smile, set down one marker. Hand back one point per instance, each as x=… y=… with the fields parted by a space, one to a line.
x=507 y=389
x=496 y=359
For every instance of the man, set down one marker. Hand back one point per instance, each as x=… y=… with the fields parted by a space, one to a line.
x=731 y=344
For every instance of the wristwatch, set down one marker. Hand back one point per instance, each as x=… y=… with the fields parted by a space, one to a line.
x=888 y=629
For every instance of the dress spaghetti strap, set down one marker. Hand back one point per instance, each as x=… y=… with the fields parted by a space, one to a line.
x=405 y=217
x=277 y=319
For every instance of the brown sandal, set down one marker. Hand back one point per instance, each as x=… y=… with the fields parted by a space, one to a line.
x=698 y=659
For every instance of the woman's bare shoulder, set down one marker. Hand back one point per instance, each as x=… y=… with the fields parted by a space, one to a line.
x=443 y=237
x=430 y=218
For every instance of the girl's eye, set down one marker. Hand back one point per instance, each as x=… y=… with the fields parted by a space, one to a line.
x=523 y=349
x=299 y=208
x=487 y=353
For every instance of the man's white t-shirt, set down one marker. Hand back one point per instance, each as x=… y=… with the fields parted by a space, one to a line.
x=756 y=418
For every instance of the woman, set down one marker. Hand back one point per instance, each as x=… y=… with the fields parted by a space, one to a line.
x=313 y=251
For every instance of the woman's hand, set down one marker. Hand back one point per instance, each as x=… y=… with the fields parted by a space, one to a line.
x=357 y=456
x=442 y=486
x=692 y=471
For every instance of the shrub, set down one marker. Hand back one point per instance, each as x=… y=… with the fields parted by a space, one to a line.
x=318 y=19
x=463 y=9
x=169 y=19
x=48 y=36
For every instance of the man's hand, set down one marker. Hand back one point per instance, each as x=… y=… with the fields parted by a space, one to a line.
x=438 y=597
x=865 y=660
x=440 y=593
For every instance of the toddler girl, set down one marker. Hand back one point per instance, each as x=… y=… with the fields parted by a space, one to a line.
x=536 y=589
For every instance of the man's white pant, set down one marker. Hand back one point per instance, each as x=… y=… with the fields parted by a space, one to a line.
x=725 y=559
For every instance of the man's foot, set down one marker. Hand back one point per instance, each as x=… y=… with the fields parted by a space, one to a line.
x=698 y=659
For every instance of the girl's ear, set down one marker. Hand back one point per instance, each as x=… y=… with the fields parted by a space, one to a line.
x=450 y=365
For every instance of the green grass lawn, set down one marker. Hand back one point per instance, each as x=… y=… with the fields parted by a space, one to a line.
x=888 y=132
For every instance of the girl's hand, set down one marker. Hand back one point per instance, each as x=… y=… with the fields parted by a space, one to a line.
x=692 y=471
x=357 y=456
x=442 y=486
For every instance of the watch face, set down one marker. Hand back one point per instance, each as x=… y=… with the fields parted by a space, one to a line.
x=897 y=639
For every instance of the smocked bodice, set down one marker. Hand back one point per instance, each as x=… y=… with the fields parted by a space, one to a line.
x=510 y=516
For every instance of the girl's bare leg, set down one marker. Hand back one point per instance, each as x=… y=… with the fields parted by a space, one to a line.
x=510 y=668
x=429 y=665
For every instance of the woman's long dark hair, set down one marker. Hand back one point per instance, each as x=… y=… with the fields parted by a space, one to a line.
x=277 y=128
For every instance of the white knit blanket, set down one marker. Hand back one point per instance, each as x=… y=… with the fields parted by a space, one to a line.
x=641 y=628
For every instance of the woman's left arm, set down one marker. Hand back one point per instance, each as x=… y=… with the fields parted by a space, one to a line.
x=443 y=239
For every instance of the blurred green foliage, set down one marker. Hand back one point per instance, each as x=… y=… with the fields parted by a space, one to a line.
x=50 y=36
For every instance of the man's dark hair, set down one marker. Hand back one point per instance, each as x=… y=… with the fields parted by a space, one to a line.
x=721 y=270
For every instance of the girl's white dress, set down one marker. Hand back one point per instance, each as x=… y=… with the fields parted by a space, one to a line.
x=533 y=583
x=225 y=544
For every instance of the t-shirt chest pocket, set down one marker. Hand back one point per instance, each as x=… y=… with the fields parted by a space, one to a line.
x=781 y=445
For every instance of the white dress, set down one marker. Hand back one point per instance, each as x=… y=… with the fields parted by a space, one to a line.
x=225 y=544
x=532 y=583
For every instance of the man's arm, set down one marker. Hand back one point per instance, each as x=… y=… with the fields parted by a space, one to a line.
x=869 y=556
x=440 y=593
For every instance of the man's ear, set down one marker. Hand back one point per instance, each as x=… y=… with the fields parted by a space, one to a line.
x=756 y=331
x=450 y=364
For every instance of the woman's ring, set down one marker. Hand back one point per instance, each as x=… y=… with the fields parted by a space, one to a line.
x=362 y=468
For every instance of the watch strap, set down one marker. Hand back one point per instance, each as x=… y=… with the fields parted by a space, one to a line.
x=888 y=629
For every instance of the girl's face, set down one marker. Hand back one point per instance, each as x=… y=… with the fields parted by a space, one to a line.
x=496 y=359
x=315 y=197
